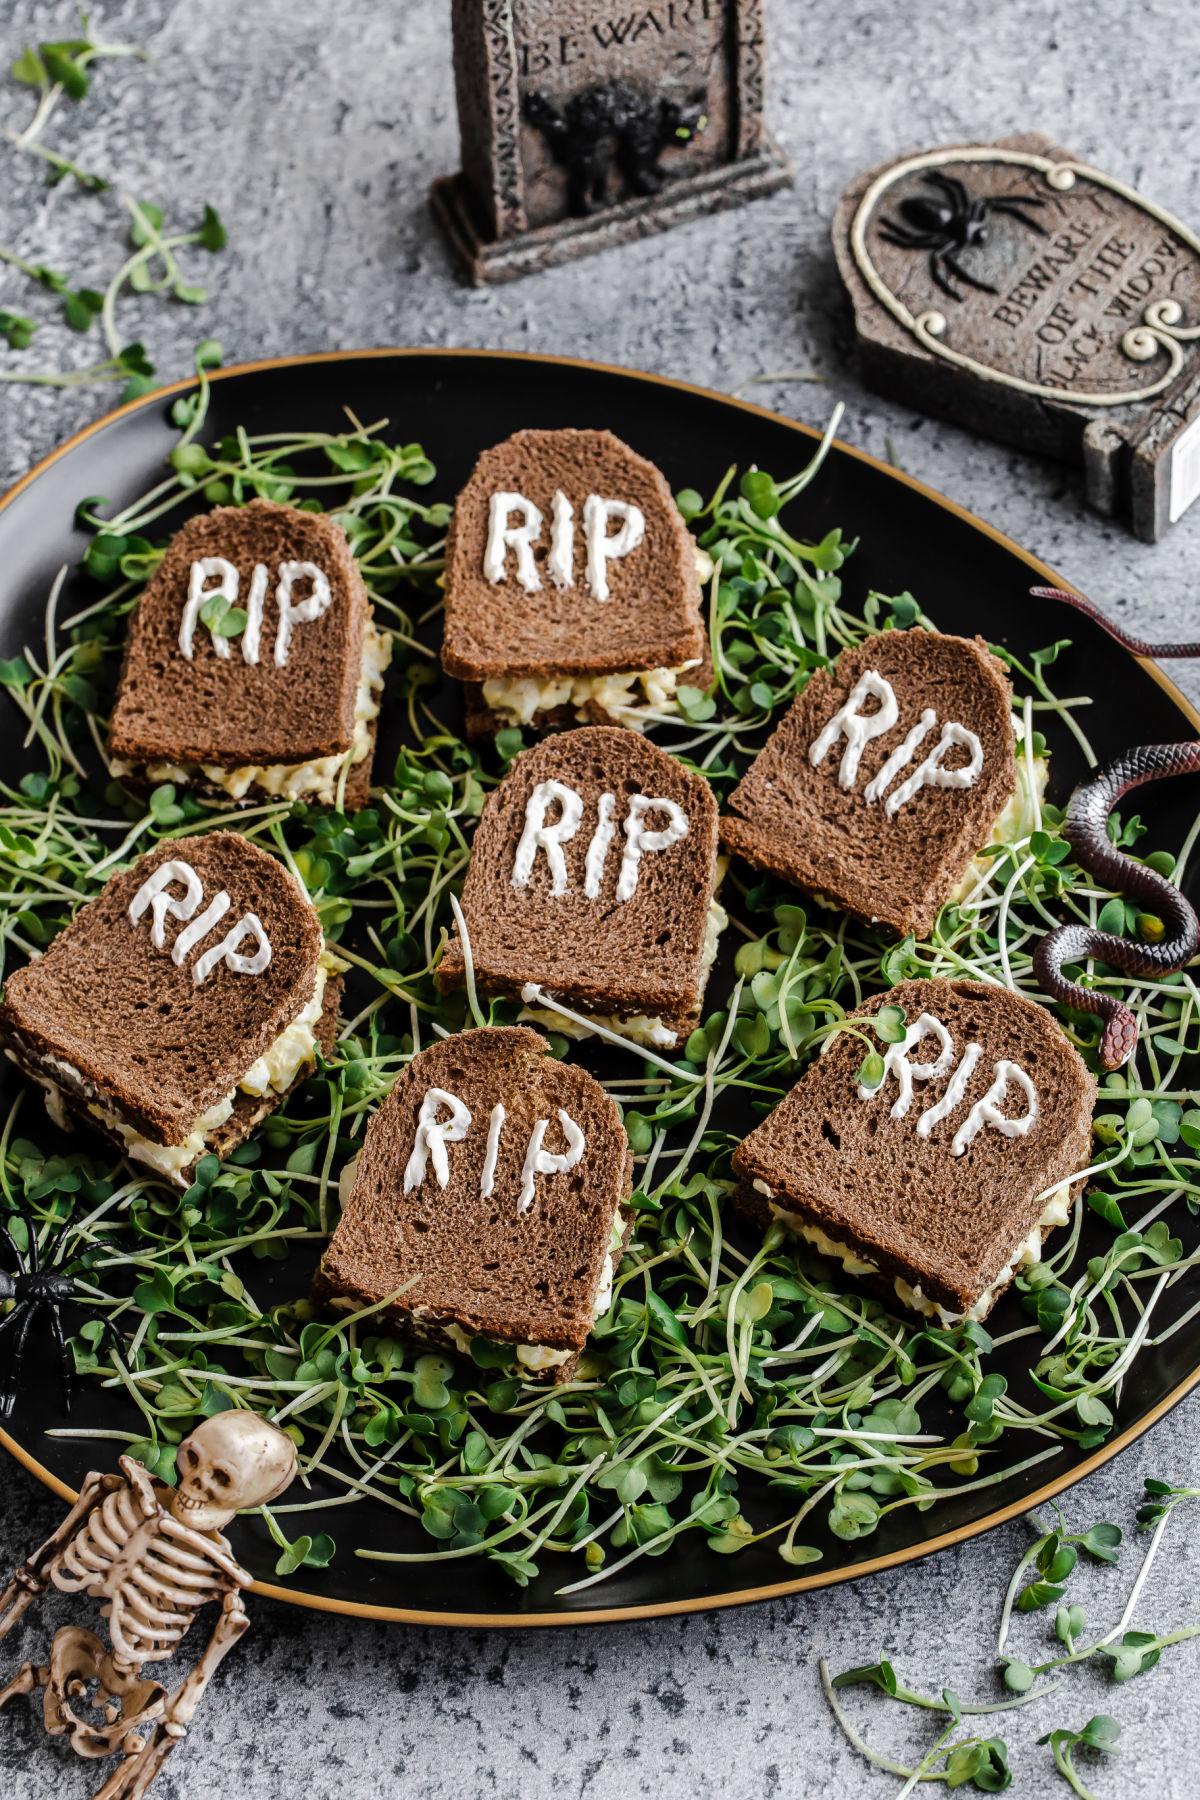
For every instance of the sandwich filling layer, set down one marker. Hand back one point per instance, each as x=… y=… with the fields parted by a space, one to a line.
x=316 y=780
x=268 y=1078
x=640 y=1029
x=635 y=699
x=1056 y=1212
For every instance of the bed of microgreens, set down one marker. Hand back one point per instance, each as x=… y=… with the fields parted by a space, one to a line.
x=737 y=1389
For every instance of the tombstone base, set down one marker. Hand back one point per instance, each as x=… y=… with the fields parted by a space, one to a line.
x=485 y=260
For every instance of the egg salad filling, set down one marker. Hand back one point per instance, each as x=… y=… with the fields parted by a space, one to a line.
x=316 y=780
x=635 y=699
x=1057 y=1211
x=266 y=1079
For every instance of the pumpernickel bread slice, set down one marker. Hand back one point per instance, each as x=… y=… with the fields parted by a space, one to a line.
x=280 y=706
x=487 y=1202
x=615 y=915
x=179 y=1006
x=835 y=811
x=569 y=571
x=918 y=1187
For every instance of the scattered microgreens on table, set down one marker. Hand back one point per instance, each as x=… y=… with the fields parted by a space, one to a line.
x=1036 y=1584
x=739 y=1389
x=63 y=71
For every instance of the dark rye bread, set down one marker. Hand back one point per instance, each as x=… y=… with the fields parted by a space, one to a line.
x=640 y=955
x=230 y=712
x=795 y=821
x=152 y=1044
x=651 y=619
x=905 y=1202
x=525 y=1278
x=249 y=1110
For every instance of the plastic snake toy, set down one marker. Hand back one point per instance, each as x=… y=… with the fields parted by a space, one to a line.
x=1086 y=830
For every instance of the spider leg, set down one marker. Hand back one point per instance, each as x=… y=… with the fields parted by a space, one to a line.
x=8 y=1389
x=985 y=287
x=936 y=259
x=65 y=1369
x=952 y=187
x=896 y=233
x=1013 y=206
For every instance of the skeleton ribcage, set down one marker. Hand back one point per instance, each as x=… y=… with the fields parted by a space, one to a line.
x=154 y=1584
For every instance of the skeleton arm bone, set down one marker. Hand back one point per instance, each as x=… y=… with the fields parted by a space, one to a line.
x=33 y=1577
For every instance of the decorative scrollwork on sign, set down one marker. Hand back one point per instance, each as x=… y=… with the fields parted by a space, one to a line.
x=751 y=71
x=1161 y=331
x=508 y=182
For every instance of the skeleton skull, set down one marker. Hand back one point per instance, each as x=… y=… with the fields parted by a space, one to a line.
x=231 y=1462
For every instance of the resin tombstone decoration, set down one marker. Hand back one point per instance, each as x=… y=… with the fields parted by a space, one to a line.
x=1016 y=291
x=584 y=124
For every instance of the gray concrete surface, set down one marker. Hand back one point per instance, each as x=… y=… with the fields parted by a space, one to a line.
x=317 y=141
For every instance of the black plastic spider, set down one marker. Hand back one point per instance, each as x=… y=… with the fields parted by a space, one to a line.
x=953 y=222
x=38 y=1292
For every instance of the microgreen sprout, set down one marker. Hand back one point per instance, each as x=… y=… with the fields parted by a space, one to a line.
x=1123 y=1652
x=61 y=70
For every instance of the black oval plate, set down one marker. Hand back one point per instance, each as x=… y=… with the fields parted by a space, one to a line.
x=967 y=577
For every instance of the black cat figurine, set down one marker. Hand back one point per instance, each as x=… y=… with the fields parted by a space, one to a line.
x=614 y=123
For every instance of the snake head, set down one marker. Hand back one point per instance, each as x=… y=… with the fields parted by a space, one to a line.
x=1120 y=1037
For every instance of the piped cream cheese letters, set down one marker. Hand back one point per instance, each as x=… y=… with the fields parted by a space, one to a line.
x=226 y=587
x=503 y=537
x=986 y=1110
x=163 y=905
x=602 y=549
x=858 y=728
x=542 y=1162
x=432 y=1138
x=601 y=545
x=153 y=894
x=640 y=837
x=304 y=611
x=487 y=1179
x=198 y=595
x=433 y=1135
x=537 y=835
x=896 y=1062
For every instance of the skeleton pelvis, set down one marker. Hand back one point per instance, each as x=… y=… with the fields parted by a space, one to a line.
x=78 y=1657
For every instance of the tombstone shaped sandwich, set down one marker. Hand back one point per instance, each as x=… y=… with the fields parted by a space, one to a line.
x=180 y=1006
x=886 y=776
x=572 y=587
x=592 y=883
x=252 y=668
x=491 y=1189
x=936 y=1186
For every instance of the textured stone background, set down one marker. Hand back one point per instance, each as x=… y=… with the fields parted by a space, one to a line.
x=317 y=144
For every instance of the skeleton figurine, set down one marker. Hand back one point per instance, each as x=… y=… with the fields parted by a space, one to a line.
x=156 y=1556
